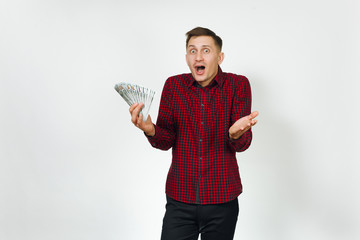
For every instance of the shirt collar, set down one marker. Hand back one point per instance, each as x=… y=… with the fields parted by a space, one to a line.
x=219 y=78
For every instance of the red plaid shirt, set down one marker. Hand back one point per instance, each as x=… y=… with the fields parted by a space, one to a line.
x=194 y=122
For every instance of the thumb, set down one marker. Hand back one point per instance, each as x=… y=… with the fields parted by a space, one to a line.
x=148 y=119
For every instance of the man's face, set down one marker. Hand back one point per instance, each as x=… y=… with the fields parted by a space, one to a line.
x=203 y=58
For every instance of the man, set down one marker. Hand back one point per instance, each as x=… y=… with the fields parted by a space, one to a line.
x=205 y=117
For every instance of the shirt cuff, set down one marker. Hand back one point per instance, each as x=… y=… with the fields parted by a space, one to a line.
x=153 y=139
x=242 y=143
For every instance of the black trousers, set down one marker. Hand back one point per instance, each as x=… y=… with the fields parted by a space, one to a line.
x=184 y=221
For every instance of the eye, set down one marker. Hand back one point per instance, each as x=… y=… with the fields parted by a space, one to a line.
x=206 y=50
x=192 y=51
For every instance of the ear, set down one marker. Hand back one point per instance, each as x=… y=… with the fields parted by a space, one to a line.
x=221 y=58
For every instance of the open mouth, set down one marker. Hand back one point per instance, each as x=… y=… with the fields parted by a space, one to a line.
x=200 y=69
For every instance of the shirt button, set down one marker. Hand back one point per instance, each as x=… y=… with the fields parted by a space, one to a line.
x=200 y=140
x=202 y=105
x=200 y=158
x=202 y=122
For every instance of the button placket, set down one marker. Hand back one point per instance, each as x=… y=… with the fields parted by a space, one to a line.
x=201 y=132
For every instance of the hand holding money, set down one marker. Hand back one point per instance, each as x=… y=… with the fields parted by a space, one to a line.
x=137 y=119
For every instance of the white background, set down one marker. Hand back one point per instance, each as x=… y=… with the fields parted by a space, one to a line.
x=72 y=166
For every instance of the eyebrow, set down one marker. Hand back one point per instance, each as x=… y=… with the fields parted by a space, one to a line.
x=201 y=46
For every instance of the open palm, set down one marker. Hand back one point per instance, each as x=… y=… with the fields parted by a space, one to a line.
x=242 y=125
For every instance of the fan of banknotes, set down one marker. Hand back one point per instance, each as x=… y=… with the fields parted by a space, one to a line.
x=133 y=93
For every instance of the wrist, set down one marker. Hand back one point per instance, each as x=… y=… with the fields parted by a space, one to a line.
x=151 y=132
x=235 y=136
x=232 y=137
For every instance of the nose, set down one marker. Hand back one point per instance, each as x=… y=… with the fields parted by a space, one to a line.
x=199 y=56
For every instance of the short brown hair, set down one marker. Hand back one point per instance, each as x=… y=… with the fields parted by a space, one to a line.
x=200 y=31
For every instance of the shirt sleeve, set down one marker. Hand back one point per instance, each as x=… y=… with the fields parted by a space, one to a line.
x=241 y=107
x=165 y=133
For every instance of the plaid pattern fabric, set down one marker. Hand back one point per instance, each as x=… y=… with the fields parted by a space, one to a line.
x=194 y=122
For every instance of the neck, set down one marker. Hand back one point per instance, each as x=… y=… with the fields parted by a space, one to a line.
x=204 y=83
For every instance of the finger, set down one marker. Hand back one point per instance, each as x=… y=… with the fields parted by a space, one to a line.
x=254 y=114
x=253 y=122
x=138 y=108
x=132 y=107
x=135 y=114
x=134 y=118
x=139 y=121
